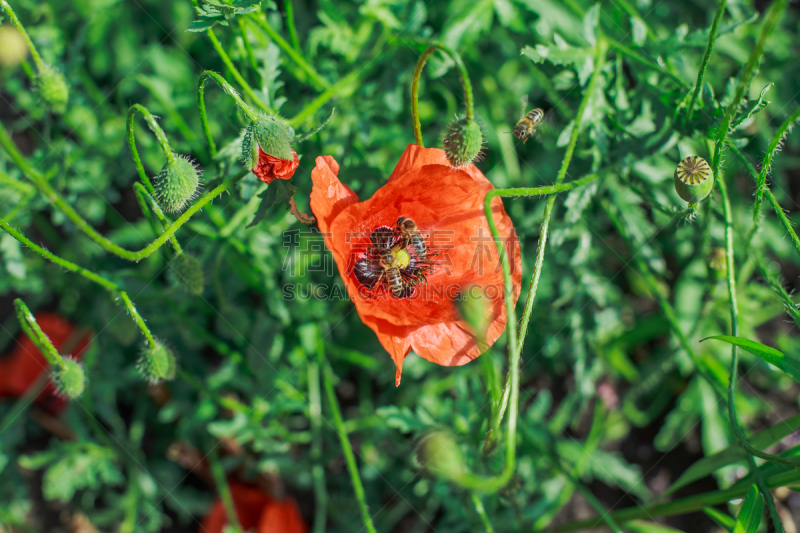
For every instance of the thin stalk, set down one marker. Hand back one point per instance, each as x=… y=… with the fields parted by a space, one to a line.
x=201 y=104
x=235 y=72
x=314 y=77
x=137 y=318
x=712 y=37
x=771 y=19
x=599 y=60
x=39 y=337
x=734 y=309
x=34 y=52
x=462 y=74
x=247 y=48
x=317 y=470
x=148 y=203
x=290 y=25
x=157 y=131
x=478 y=504
x=347 y=448
x=777 y=286
x=766 y=166
x=224 y=491
x=63 y=263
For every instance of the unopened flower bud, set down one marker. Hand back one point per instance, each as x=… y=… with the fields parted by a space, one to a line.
x=69 y=378
x=186 y=272
x=177 y=184
x=157 y=362
x=693 y=179
x=267 y=149
x=463 y=142
x=53 y=89
x=439 y=453
x=13 y=48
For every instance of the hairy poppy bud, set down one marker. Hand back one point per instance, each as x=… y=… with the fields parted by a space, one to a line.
x=693 y=179
x=463 y=142
x=53 y=89
x=186 y=272
x=267 y=149
x=439 y=453
x=157 y=362
x=13 y=47
x=177 y=183
x=69 y=378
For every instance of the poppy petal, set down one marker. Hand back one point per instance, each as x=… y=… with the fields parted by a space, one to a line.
x=282 y=517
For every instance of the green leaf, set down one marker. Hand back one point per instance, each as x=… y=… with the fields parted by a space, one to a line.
x=755 y=108
x=750 y=514
x=590 y=21
x=642 y=526
x=787 y=364
x=723 y=520
x=734 y=453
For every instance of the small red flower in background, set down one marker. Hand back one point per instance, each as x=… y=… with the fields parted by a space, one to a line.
x=270 y=168
x=407 y=297
x=22 y=367
x=257 y=511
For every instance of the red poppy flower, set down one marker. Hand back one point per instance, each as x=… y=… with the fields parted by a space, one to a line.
x=404 y=286
x=22 y=367
x=270 y=168
x=256 y=511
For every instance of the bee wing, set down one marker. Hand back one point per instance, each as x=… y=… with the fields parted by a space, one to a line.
x=524 y=101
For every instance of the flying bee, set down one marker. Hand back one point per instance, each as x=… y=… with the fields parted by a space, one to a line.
x=410 y=233
x=526 y=125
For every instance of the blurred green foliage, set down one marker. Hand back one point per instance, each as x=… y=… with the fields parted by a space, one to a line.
x=607 y=388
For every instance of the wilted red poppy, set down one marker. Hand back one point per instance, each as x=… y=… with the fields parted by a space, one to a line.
x=22 y=367
x=256 y=511
x=270 y=168
x=404 y=285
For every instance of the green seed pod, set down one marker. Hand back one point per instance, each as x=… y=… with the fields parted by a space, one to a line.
x=70 y=379
x=157 y=362
x=53 y=89
x=693 y=179
x=13 y=48
x=473 y=310
x=273 y=135
x=439 y=453
x=177 y=184
x=186 y=273
x=463 y=142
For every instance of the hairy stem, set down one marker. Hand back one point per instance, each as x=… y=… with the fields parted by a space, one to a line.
x=712 y=37
x=462 y=74
x=34 y=52
x=201 y=104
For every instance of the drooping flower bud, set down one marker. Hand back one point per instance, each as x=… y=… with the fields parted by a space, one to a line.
x=463 y=142
x=186 y=272
x=267 y=149
x=157 y=362
x=439 y=453
x=53 y=89
x=177 y=184
x=13 y=48
x=69 y=378
x=693 y=179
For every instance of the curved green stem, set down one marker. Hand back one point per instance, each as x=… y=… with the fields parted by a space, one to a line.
x=235 y=72
x=37 y=336
x=462 y=74
x=478 y=504
x=347 y=448
x=548 y=211
x=712 y=37
x=766 y=166
x=148 y=203
x=34 y=52
x=314 y=77
x=63 y=263
x=157 y=131
x=201 y=104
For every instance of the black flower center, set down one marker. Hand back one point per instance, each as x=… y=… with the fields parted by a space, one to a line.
x=397 y=260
